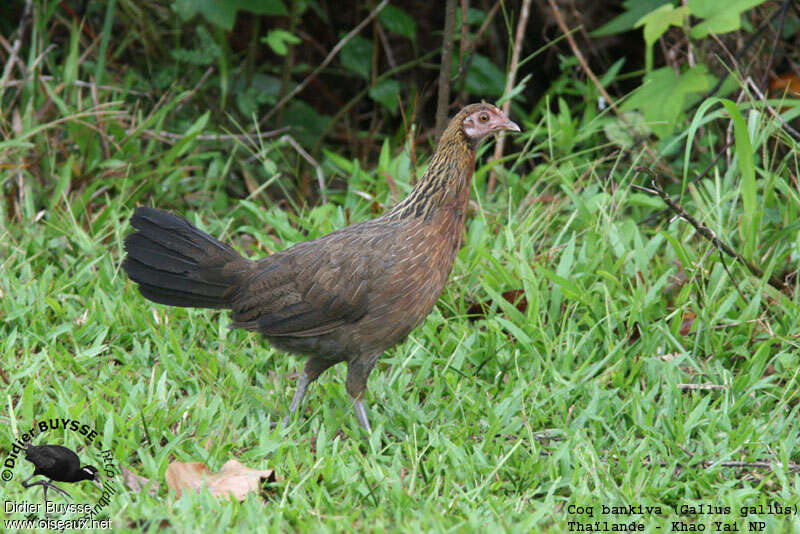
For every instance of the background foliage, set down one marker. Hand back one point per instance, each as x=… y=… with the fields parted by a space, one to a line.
x=590 y=348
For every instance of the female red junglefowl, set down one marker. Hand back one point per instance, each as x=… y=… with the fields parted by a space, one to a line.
x=347 y=296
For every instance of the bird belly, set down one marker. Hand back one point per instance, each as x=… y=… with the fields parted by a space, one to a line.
x=399 y=298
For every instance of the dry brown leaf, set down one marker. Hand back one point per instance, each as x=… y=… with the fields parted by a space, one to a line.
x=233 y=479
x=478 y=310
x=788 y=82
x=137 y=483
x=687 y=323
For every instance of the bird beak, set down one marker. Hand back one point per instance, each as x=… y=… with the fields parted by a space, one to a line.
x=98 y=483
x=511 y=126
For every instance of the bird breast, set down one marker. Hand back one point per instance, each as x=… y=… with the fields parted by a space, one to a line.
x=410 y=286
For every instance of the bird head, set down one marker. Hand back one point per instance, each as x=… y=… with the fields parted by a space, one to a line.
x=480 y=120
x=90 y=472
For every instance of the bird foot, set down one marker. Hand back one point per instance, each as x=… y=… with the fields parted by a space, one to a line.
x=361 y=415
x=283 y=422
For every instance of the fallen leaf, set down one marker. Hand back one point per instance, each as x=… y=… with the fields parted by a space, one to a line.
x=687 y=323
x=514 y=296
x=137 y=483
x=233 y=479
x=790 y=83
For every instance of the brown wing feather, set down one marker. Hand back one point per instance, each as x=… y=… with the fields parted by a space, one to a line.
x=317 y=286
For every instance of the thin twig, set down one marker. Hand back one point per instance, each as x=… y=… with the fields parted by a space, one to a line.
x=579 y=55
x=758 y=464
x=741 y=52
x=602 y=90
x=14 y=55
x=443 y=100
x=188 y=96
x=353 y=101
x=100 y=124
x=510 y=79
x=791 y=131
x=783 y=10
x=174 y=137
x=730 y=275
x=462 y=46
x=80 y=83
x=706 y=232
x=473 y=44
x=392 y=185
x=332 y=54
x=386 y=48
x=311 y=161
x=657 y=215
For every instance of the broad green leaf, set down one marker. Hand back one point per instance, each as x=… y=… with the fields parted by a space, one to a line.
x=474 y=16
x=187 y=141
x=278 y=39
x=663 y=95
x=73 y=58
x=385 y=93
x=634 y=10
x=64 y=180
x=658 y=21
x=483 y=77
x=307 y=123
x=398 y=21
x=222 y=13
x=356 y=56
x=721 y=16
x=622 y=132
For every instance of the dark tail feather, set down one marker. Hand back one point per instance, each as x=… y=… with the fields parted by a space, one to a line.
x=174 y=263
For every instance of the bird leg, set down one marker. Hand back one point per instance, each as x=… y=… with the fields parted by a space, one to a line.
x=45 y=484
x=361 y=414
x=313 y=368
x=358 y=371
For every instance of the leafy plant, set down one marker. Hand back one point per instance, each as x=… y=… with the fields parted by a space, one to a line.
x=222 y=13
x=665 y=94
x=278 y=41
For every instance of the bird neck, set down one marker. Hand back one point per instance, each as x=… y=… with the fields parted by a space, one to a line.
x=446 y=182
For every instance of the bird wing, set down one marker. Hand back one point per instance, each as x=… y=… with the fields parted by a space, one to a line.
x=46 y=457
x=317 y=286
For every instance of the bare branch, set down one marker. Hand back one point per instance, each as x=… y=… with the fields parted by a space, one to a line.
x=596 y=82
x=510 y=79
x=706 y=232
x=311 y=161
x=443 y=101
x=173 y=137
x=14 y=55
x=791 y=131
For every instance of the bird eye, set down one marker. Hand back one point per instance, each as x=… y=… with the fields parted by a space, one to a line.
x=484 y=117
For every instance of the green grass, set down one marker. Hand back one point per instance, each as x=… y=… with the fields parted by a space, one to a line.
x=502 y=422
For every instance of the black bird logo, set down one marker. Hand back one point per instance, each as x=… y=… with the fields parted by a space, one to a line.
x=59 y=464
